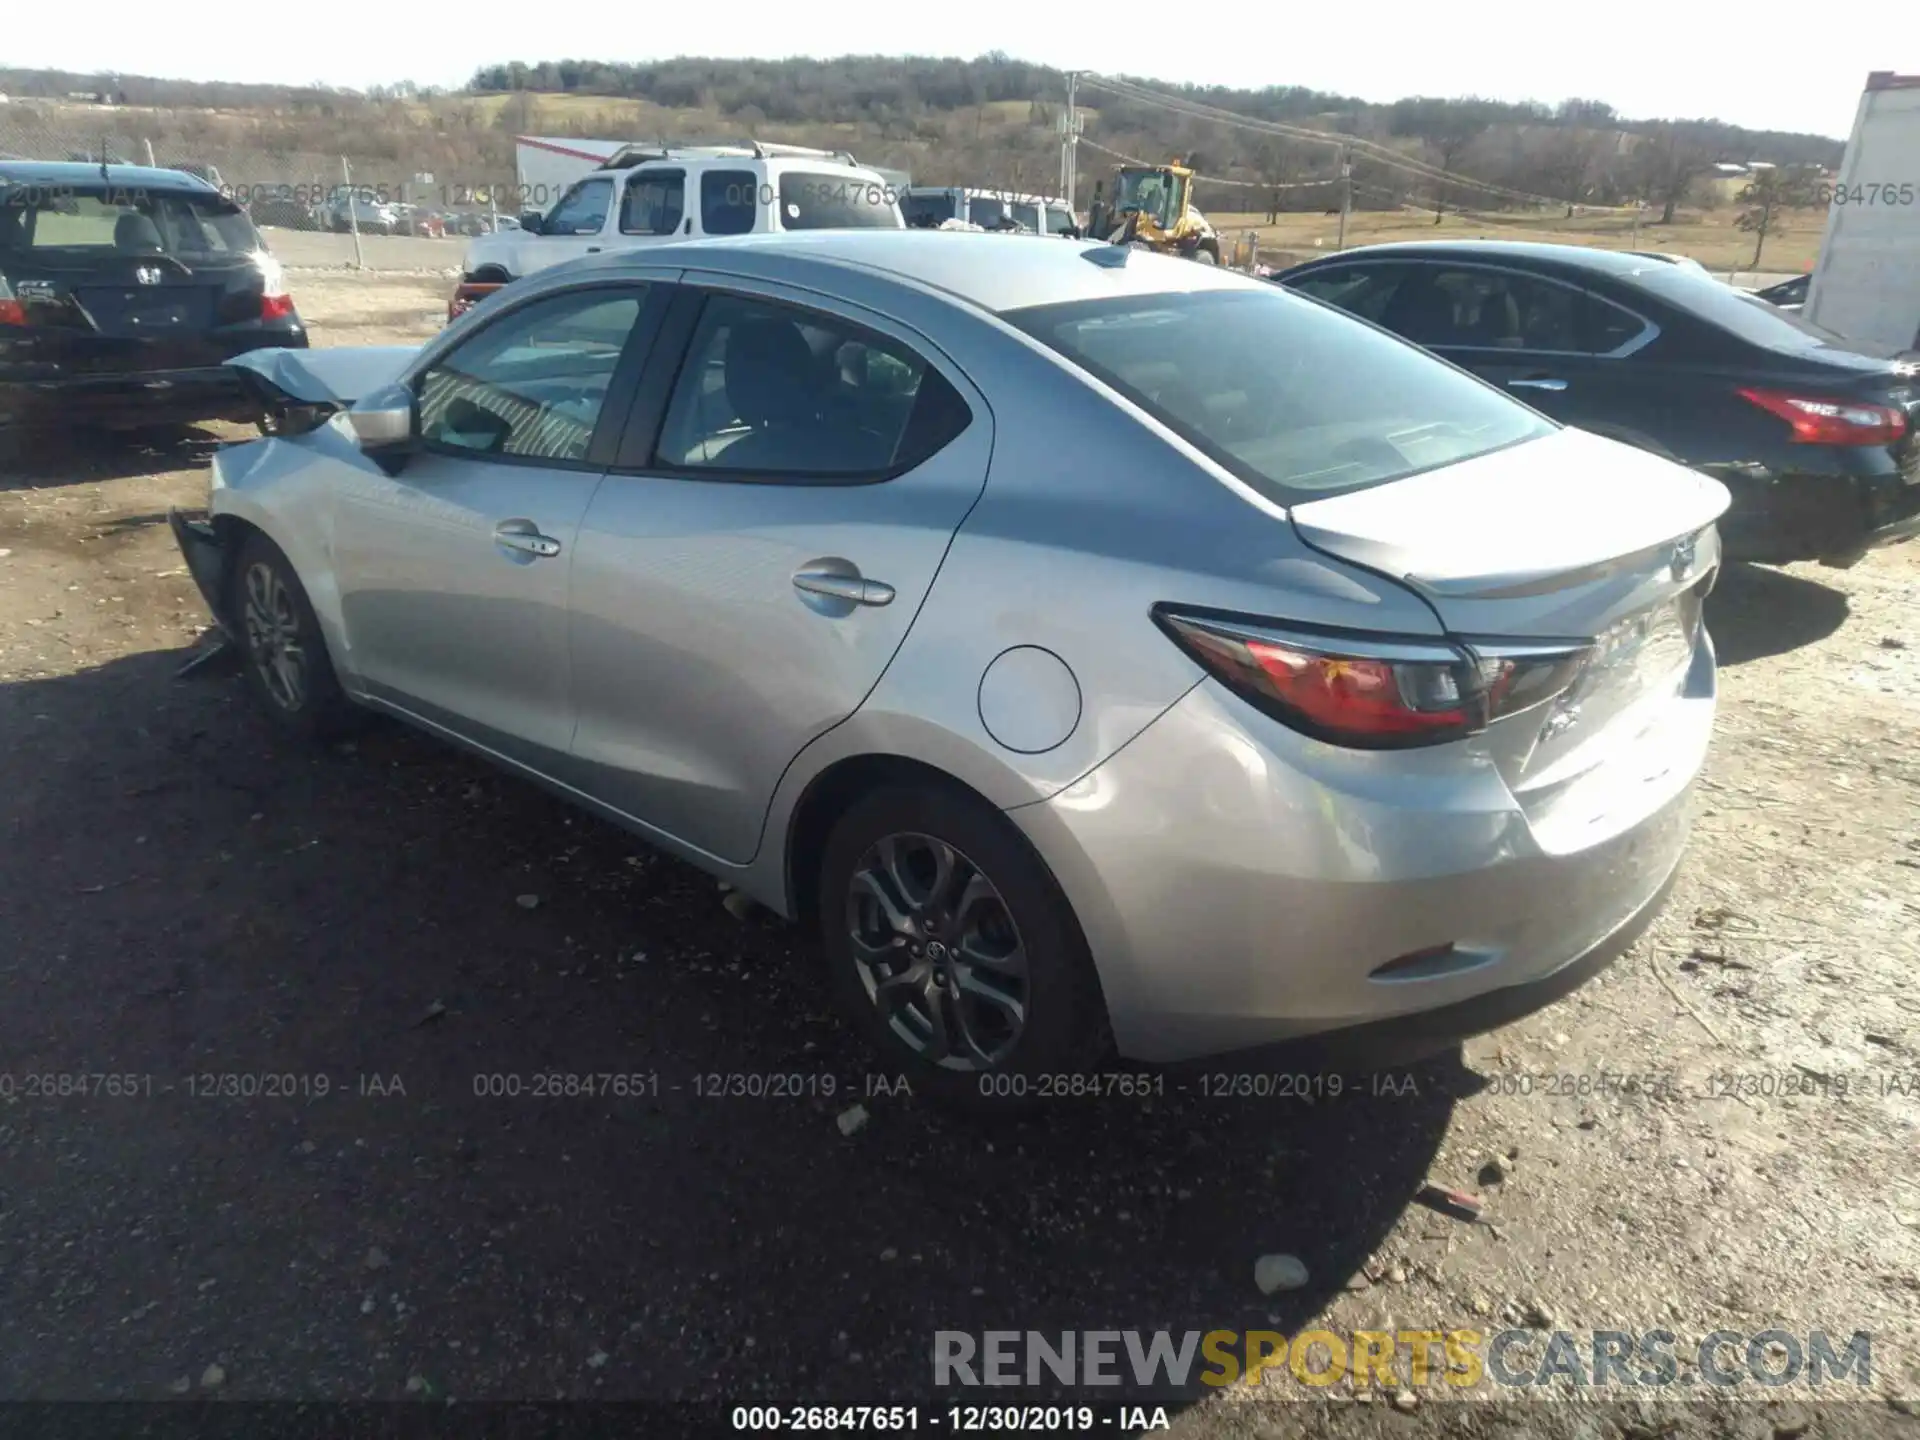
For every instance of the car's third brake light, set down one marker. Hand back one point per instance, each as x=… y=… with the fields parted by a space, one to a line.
x=1824 y=420
x=1373 y=692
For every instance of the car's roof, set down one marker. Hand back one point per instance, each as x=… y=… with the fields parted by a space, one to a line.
x=995 y=272
x=1531 y=253
x=85 y=175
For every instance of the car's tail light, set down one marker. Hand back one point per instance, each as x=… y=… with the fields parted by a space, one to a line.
x=275 y=301
x=1373 y=692
x=466 y=296
x=12 y=312
x=1824 y=420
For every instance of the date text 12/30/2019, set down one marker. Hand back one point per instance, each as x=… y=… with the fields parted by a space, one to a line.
x=955 y=1419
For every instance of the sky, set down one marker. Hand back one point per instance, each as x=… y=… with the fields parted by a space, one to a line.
x=1647 y=58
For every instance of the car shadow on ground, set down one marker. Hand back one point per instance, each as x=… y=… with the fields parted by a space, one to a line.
x=1759 y=610
x=71 y=457
x=573 y=1107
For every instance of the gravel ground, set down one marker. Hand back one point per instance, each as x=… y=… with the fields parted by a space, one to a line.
x=186 y=897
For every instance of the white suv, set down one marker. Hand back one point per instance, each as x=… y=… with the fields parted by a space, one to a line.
x=648 y=195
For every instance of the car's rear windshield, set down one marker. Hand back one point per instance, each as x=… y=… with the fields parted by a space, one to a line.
x=1749 y=318
x=826 y=201
x=63 y=223
x=1295 y=398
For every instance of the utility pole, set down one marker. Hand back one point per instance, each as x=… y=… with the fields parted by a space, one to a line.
x=1346 y=194
x=1070 y=141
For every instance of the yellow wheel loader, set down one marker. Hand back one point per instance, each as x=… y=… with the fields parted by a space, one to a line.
x=1152 y=207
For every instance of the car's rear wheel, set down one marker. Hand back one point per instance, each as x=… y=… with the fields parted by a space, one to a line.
x=287 y=666
x=952 y=949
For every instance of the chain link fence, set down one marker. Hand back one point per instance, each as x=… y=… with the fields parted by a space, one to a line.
x=314 y=210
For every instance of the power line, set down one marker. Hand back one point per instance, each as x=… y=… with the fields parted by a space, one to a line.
x=1368 y=149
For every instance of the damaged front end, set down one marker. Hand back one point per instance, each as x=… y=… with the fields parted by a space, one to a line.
x=296 y=392
x=300 y=390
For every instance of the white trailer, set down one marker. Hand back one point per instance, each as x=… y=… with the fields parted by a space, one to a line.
x=546 y=167
x=1866 y=285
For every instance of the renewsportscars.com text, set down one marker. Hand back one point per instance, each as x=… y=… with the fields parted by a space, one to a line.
x=1462 y=1358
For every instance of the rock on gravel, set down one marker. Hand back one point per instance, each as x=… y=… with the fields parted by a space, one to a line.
x=851 y=1119
x=213 y=1377
x=1273 y=1273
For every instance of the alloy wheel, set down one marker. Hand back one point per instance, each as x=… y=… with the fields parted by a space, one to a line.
x=938 y=952
x=273 y=637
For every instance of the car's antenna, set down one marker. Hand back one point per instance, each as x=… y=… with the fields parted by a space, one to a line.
x=103 y=159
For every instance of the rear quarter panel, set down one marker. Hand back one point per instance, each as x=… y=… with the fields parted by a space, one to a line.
x=1091 y=515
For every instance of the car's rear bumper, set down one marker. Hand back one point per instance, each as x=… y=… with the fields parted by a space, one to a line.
x=1241 y=886
x=1818 y=516
x=156 y=397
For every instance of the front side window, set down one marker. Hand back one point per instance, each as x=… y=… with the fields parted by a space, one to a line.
x=1362 y=290
x=812 y=200
x=1059 y=220
x=1297 y=400
x=772 y=390
x=531 y=385
x=729 y=201
x=582 y=210
x=655 y=203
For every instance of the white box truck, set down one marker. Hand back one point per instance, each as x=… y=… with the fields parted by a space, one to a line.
x=1866 y=284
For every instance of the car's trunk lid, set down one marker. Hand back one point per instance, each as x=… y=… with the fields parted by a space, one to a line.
x=1568 y=539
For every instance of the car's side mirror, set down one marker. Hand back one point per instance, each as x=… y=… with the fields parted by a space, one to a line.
x=386 y=427
x=531 y=221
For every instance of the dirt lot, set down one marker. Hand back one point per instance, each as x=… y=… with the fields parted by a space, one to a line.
x=185 y=897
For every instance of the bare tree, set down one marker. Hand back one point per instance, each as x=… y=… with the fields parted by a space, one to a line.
x=1445 y=149
x=1773 y=190
x=1669 y=162
x=1567 y=165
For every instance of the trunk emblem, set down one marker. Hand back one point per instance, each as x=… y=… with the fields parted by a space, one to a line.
x=147 y=274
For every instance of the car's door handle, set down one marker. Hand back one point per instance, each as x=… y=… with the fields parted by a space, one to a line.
x=1537 y=382
x=593 y=249
x=850 y=588
x=520 y=535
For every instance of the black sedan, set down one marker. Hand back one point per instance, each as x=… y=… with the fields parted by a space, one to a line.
x=123 y=290
x=1813 y=434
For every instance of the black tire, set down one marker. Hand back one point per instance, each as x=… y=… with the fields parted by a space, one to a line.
x=1206 y=255
x=283 y=650
x=1063 y=1025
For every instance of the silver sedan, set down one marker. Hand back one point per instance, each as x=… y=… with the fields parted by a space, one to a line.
x=1101 y=653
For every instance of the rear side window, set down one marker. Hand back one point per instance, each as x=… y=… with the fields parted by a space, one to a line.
x=61 y=221
x=826 y=201
x=1298 y=401
x=1027 y=217
x=729 y=200
x=773 y=392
